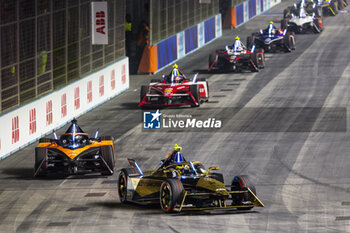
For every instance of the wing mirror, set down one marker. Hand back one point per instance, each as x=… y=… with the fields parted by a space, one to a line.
x=214 y=168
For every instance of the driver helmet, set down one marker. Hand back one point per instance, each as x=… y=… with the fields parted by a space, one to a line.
x=74 y=136
x=175 y=72
x=177 y=156
x=237 y=45
x=271 y=28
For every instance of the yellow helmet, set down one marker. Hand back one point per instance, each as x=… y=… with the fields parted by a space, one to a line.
x=175 y=66
x=177 y=148
x=237 y=38
x=271 y=22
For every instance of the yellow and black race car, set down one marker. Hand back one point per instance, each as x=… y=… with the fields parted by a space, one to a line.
x=74 y=153
x=180 y=185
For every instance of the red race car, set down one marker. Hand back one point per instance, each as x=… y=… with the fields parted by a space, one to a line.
x=174 y=90
x=237 y=58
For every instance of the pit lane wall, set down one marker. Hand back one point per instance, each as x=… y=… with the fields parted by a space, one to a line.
x=246 y=10
x=28 y=123
x=158 y=56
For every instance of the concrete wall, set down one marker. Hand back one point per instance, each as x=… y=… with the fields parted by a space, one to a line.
x=26 y=124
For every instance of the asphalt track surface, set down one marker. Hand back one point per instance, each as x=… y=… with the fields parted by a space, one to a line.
x=301 y=172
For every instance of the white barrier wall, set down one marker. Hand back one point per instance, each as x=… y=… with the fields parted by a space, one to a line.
x=26 y=124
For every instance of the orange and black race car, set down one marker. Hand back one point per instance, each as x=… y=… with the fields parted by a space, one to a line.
x=74 y=153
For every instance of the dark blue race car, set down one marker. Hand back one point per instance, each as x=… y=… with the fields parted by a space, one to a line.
x=272 y=40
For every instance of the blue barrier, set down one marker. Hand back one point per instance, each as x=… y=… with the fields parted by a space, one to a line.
x=240 y=14
x=167 y=51
x=209 y=29
x=252 y=8
x=191 y=39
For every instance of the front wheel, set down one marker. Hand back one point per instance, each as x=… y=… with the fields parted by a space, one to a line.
x=40 y=164
x=107 y=153
x=212 y=61
x=123 y=184
x=254 y=59
x=194 y=90
x=241 y=183
x=171 y=192
x=143 y=92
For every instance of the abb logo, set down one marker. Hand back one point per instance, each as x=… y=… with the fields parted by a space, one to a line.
x=15 y=130
x=49 y=112
x=100 y=22
x=123 y=74
x=76 y=98
x=63 y=105
x=32 y=121
x=102 y=87
x=113 y=79
x=89 y=91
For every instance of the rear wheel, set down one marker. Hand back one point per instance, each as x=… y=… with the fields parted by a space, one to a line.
x=170 y=194
x=255 y=62
x=40 y=164
x=212 y=58
x=249 y=42
x=143 y=92
x=107 y=153
x=289 y=42
x=241 y=183
x=333 y=9
x=123 y=183
x=194 y=89
x=284 y=24
x=317 y=27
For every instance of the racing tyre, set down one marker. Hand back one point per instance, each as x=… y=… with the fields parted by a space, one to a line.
x=249 y=42
x=143 y=92
x=255 y=62
x=284 y=24
x=123 y=183
x=289 y=42
x=286 y=13
x=40 y=164
x=240 y=183
x=194 y=89
x=212 y=58
x=333 y=9
x=107 y=153
x=261 y=60
x=171 y=192
x=44 y=140
x=317 y=26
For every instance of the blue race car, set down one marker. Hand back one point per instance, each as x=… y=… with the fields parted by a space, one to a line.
x=272 y=40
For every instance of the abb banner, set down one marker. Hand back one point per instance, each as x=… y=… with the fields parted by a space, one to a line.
x=99 y=23
x=32 y=121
